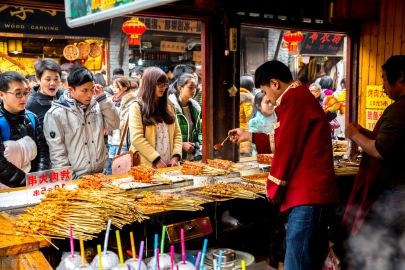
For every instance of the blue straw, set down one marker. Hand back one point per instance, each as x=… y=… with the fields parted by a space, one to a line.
x=156 y=247
x=204 y=251
x=220 y=260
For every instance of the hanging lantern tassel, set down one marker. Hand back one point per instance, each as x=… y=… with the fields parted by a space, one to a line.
x=94 y=65
x=103 y=57
x=82 y=60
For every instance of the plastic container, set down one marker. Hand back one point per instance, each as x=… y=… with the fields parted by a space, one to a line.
x=227 y=258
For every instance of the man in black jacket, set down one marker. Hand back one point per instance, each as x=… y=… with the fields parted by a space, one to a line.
x=18 y=123
x=47 y=74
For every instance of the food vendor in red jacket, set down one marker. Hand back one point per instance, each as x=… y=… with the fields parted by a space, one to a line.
x=302 y=175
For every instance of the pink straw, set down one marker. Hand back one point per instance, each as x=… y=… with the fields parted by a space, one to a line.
x=72 y=245
x=158 y=258
x=171 y=257
x=183 y=246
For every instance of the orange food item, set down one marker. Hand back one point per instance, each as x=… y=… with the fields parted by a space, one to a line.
x=220 y=163
x=142 y=173
x=193 y=168
x=264 y=158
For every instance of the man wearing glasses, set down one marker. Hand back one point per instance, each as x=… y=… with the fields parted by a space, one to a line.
x=74 y=126
x=23 y=147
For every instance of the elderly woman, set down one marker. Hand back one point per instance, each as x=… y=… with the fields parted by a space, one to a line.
x=316 y=90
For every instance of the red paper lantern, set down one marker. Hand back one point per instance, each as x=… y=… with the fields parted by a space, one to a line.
x=293 y=38
x=134 y=28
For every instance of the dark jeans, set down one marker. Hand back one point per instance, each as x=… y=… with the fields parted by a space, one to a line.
x=307 y=237
x=380 y=242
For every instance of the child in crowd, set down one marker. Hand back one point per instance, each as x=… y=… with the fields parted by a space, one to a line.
x=153 y=126
x=23 y=147
x=48 y=76
x=188 y=113
x=123 y=98
x=74 y=125
x=263 y=117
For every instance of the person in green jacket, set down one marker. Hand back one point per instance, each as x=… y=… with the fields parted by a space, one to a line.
x=188 y=113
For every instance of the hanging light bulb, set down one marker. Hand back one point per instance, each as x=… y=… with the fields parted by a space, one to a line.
x=140 y=62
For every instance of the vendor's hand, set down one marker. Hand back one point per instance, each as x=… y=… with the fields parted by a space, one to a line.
x=173 y=162
x=352 y=129
x=160 y=164
x=238 y=135
x=106 y=131
x=188 y=147
x=98 y=89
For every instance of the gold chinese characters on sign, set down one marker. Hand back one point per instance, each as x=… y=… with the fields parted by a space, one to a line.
x=168 y=46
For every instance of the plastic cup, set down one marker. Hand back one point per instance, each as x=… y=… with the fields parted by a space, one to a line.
x=164 y=262
x=134 y=264
x=70 y=263
x=125 y=267
x=86 y=267
x=109 y=260
x=185 y=266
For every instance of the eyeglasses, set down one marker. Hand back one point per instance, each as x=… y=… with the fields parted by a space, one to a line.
x=162 y=85
x=20 y=95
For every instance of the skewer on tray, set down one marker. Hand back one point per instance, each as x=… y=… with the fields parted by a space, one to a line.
x=228 y=190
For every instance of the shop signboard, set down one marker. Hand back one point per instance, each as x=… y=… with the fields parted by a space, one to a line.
x=44 y=181
x=79 y=13
x=197 y=56
x=376 y=102
x=321 y=43
x=169 y=25
x=24 y=20
x=169 y=46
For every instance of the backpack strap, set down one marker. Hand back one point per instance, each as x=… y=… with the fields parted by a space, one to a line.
x=5 y=128
x=32 y=118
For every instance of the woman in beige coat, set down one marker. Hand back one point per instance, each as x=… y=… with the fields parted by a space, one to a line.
x=153 y=126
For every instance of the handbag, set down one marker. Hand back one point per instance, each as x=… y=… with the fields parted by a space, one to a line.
x=122 y=163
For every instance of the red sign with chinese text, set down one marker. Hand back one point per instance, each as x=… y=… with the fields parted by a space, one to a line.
x=38 y=183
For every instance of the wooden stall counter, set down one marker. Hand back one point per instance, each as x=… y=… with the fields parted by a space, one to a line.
x=20 y=252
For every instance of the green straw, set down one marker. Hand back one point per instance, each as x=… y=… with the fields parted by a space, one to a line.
x=162 y=242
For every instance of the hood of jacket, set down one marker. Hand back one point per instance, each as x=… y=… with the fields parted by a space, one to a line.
x=246 y=95
x=62 y=102
x=173 y=99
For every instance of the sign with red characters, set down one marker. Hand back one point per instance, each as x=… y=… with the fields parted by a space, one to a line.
x=38 y=183
x=321 y=43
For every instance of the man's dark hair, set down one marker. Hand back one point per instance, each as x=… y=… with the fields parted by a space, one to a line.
x=272 y=70
x=139 y=70
x=79 y=75
x=191 y=69
x=343 y=81
x=395 y=68
x=99 y=79
x=118 y=71
x=10 y=76
x=30 y=78
x=63 y=78
x=326 y=83
x=247 y=83
x=46 y=64
x=178 y=70
x=66 y=67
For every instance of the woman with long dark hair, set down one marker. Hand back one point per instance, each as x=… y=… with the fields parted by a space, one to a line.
x=153 y=126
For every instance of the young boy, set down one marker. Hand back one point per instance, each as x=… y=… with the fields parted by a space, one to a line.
x=74 y=126
x=302 y=175
x=47 y=74
x=19 y=127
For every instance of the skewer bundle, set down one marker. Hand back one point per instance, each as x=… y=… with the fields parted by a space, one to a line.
x=146 y=174
x=87 y=211
x=198 y=168
x=95 y=182
x=228 y=190
x=165 y=202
